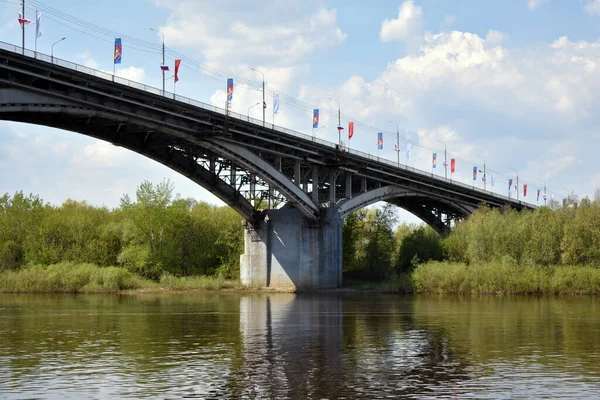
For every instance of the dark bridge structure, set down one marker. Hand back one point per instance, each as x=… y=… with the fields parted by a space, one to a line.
x=292 y=190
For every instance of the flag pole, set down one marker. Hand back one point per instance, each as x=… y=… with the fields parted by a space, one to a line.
x=36 y=34
x=23 y=27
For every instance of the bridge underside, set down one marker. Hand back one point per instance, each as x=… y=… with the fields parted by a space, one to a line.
x=292 y=190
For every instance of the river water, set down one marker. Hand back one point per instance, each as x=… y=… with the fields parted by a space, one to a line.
x=298 y=346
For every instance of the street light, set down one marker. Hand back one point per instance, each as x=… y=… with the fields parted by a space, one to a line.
x=517 y=182
x=163 y=56
x=484 y=176
x=52 y=49
x=339 y=120
x=445 y=160
x=397 y=140
x=254 y=105
x=263 y=91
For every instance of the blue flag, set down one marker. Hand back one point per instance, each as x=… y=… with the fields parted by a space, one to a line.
x=380 y=141
x=475 y=173
x=434 y=161
x=118 y=51
x=229 y=89
x=315 y=118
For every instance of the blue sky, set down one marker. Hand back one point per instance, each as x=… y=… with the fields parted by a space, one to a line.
x=513 y=82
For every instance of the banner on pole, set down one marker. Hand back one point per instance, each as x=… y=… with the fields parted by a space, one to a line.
x=38 y=24
x=453 y=165
x=350 y=130
x=408 y=150
x=276 y=103
x=475 y=173
x=380 y=141
x=434 y=161
x=315 y=118
x=177 y=64
x=229 y=89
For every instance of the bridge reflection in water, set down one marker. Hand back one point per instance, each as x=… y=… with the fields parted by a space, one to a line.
x=298 y=346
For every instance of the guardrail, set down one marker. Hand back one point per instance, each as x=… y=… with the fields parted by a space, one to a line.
x=136 y=85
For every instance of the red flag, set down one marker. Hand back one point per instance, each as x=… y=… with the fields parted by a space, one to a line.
x=452 y=165
x=524 y=190
x=350 y=130
x=177 y=64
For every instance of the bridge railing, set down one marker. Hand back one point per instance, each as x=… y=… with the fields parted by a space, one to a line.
x=140 y=86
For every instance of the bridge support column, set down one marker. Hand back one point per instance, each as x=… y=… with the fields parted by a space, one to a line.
x=287 y=252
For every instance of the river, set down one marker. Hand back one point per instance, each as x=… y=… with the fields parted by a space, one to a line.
x=349 y=346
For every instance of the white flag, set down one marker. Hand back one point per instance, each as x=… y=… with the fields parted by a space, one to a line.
x=276 y=104
x=408 y=150
x=38 y=24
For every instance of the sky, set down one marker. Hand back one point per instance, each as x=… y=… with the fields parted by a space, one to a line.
x=511 y=83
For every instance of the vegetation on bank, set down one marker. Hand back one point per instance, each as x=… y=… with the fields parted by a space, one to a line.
x=161 y=241
x=156 y=234
x=68 y=277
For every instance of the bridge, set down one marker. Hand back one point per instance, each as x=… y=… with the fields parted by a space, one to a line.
x=292 y=190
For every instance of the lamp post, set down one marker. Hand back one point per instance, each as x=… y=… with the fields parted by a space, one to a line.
x=163 y=56
x=517 y=182
x=445 y=159
x=339 y=120
x=485 y=176
x=52 y=49
x=252 y=106
x=397 y=140
x=263 y=91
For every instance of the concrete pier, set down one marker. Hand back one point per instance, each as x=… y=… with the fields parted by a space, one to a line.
x=288 y=252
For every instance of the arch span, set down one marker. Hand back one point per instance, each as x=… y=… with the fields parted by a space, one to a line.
x=437 y=212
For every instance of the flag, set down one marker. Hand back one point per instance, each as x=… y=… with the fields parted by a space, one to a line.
x=350 y=130
x=434 y=161
x=474 y=173
x=452 y=165
x=315 y=118
x=265 y=105
x=22 y=20
x=164 y=67
x=276 y=104
x=118 y=51
x=380 y=141
x=408 y=150
x=493 y=180
x=544 y=196
x=177 y=64
x=340 y=128
x=524 y=190
x=538 y=195
x=229 y=89
x=38 y=24
x=509 y=184
x=396 y=148
x=482 y=178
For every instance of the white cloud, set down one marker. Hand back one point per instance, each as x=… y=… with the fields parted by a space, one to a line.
x=407 y=27
x=593 y=7
x=86 y=59
x=534 y=4
x=229 y=31
x=132 y=73
x=100 y=154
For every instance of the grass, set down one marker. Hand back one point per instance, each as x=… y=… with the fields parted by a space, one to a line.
x=505 y=278
x=68 y=277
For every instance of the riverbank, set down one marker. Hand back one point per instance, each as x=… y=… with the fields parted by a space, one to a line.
x=505 y=278
x=69 y=277
x=431 y=277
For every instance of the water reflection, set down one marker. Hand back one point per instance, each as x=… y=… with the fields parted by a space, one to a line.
x=297 y=346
